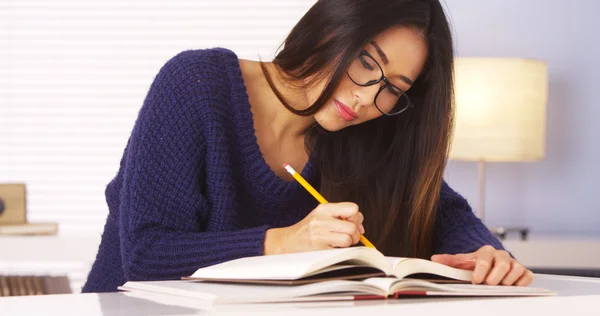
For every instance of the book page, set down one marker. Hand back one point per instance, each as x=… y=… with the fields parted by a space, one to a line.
x=466 y=289
x=384 y=284
x=393 y=285
x=291 y=266
x=407 y=266
x=234 y=293
x=394 y=261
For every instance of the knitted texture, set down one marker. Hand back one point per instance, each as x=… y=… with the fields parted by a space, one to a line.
x=193 y=189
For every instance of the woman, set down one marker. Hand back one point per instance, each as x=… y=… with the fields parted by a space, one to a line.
x=359 y=99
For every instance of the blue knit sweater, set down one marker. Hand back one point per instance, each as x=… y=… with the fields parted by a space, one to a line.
x=193 y=189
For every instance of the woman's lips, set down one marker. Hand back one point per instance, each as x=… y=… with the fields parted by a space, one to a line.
x=345 y=112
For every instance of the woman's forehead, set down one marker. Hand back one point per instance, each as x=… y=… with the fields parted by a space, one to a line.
x=403 y=48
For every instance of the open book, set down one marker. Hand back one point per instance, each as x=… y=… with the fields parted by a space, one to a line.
x=317 y=266
x=334 y=290
x=337 y=274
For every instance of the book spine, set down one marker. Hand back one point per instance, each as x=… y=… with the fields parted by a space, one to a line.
x=368 y=297
x=409 y=293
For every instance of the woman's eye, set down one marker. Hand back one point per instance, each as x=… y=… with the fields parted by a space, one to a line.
x=392 y=90
x=365 y=64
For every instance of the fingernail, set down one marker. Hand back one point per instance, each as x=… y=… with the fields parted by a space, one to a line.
x=362 y=229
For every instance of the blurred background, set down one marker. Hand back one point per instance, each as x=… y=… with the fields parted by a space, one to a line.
x=73 y=75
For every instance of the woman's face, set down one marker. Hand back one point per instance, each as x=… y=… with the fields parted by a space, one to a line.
x=401 y=52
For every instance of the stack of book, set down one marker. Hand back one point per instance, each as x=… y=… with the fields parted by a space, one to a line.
x=29 y=229
x=22 y=285
x=13 y=213
x=354 y=273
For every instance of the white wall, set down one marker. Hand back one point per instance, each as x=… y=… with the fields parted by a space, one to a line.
x=73 y=76
x=559 y=195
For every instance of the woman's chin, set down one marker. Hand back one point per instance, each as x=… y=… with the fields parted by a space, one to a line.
x=331 y=121
x=333 y=125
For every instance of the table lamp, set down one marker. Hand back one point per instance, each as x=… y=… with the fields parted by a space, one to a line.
x=500 y=115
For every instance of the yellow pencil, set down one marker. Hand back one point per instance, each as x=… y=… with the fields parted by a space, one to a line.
x=318 y=196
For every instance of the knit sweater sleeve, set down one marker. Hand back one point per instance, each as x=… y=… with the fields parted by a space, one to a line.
x=162 y=208
x=458 y=230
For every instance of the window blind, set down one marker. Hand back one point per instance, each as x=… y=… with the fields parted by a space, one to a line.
x=73 y=76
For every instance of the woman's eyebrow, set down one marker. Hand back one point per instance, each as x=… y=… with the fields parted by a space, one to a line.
x=386 y=61
x=380 y=52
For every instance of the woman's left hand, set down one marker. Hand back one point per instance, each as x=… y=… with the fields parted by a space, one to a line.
x=490 y=266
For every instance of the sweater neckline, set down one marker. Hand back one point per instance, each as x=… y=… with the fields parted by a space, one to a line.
x=252 y=157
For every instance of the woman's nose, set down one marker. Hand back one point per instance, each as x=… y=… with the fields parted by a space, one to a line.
x=366 y=95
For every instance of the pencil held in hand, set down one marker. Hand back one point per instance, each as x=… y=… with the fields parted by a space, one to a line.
x=318 y=196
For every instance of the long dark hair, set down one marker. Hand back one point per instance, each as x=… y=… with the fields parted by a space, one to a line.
x=392 y=167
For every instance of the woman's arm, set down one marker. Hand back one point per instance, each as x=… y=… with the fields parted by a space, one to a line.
x=159 y=187
x=458 y=230
x=464 y=242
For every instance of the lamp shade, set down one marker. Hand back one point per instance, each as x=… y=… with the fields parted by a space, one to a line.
x=500 y=109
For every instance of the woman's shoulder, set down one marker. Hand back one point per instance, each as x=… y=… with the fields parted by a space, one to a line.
x=215 y=56
x=207 y=67
x=187 y=86
x=194 y=82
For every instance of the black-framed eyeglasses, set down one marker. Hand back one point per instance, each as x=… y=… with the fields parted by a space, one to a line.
x=365 y=71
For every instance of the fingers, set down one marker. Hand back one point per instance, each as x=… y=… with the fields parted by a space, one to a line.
x=338 y=240
x=516 y=271
x=459 y=261
x=321 y=229
x=344 y=210
x=358 y=220
x=485 y=256
x=340 y=210
x=526 y=279
x=496 y=267
x=345 y=227
x=501 y=267
x=329 y=225
x=443 y=259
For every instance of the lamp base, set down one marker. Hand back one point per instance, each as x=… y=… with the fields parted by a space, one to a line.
x=501 y=232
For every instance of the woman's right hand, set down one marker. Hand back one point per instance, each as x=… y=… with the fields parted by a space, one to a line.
x=331 y=225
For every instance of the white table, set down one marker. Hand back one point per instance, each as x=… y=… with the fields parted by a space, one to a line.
x=66 y=251
x=577 y=296
x=73 y=255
